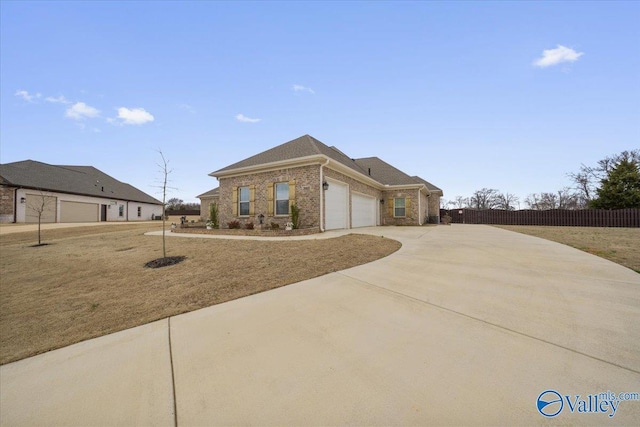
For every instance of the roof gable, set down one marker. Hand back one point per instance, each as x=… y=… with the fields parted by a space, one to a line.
x=83 y=180
x=303 y=146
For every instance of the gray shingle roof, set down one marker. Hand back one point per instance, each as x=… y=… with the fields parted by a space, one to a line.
x=211 y=193
x=429 y=185
x=383 y=172
x=304 y=146
x=83 y=180
x=307 y=145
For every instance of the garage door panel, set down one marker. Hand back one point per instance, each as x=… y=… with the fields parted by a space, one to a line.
x=363 y=211
x=78 y=212
x=336 y=198
x=36 y=203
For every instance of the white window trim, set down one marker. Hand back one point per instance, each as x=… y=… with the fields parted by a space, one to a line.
x=276 y=200
x=403 y=207
x=248 y=201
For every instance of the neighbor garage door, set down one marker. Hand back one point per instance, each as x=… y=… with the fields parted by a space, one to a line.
x=336 y=198
x=363 y=211
x=78 y=212
x=36 y=203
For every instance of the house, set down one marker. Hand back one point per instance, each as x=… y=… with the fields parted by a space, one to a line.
x=330 y=189
x=29 y=189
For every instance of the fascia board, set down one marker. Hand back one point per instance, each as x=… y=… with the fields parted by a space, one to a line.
x=267 y=167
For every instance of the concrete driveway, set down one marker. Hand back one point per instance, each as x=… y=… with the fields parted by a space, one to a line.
x=465 y=324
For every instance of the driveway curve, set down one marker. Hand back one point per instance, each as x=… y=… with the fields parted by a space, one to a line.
x=465 y=324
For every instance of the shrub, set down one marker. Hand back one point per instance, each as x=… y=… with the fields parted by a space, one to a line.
x=234 y=224
x=275 y=226
x=213 y=215
x=446 y=219
x=249 y=225
x=295 y=216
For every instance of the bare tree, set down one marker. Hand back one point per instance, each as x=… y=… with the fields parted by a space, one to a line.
x=39 y=205
x=174 y=203
x=588 y=178
x=487 y=198
x=164 y=170
x=507 y=201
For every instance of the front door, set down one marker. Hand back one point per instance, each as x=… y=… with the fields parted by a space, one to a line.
x=103 y=212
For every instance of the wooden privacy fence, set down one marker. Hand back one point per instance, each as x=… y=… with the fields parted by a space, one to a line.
x=562 y=217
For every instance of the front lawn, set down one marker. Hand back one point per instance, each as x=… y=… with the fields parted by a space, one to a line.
x=91 y=281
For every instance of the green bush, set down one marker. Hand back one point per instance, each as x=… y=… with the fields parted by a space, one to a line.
x=295 y=216
x=213 y=215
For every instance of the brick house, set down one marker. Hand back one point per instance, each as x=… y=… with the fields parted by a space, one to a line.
x=331 y=190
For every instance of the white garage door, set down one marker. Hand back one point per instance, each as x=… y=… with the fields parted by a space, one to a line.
x=36 y=204
x=78 y=212
x=335 y=198
x=363 y=211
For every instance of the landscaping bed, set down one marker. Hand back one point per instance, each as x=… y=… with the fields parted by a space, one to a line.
x=245 y=232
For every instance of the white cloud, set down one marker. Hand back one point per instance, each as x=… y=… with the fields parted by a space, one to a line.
x=81 y=111
x=245 y=119
x=59 y=100
x=26 y=95
x=300 y=88
x=557 y=56
x=134 y=116
x=187 y=107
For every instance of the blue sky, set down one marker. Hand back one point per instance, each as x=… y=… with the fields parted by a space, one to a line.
x=506 y=95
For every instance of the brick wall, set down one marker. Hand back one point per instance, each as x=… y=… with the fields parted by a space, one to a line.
x=7 y=203
x=411 y=218
x=307 y=191
x=204 y=206
x=434 y=209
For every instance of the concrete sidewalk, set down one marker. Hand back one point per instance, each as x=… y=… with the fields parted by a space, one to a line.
x=463 y=325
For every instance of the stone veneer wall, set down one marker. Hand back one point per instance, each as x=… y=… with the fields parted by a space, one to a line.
x=307 y=188
x=7 y=203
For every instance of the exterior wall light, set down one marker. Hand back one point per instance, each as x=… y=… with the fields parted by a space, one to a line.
x=23 y=200
x=382 y=201
x=325 y=185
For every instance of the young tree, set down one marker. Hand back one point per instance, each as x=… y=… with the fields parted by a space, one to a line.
x=620 y=188
x=164 y=170
x=39 y=205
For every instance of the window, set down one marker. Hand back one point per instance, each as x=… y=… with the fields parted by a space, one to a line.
x=282 y=198
x=121 y=211
x=399 y=207
x=243 y=201
x=139 y=211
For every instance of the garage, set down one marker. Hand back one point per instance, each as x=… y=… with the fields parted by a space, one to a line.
x=336 y=199
x=78 y=212
x=36 y=204
x=363 y=211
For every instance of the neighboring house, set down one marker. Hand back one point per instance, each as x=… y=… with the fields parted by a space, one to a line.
x=69 y=194
x=331 y=190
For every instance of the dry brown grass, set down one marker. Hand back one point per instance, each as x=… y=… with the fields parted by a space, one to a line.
x=620 y=245
x=90 y=281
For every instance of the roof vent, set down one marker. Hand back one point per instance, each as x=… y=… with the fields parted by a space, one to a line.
x=369 y=171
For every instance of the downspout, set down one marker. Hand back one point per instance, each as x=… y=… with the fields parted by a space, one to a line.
x=322 y=196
